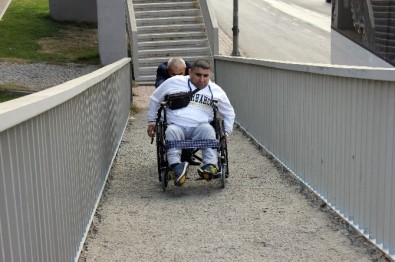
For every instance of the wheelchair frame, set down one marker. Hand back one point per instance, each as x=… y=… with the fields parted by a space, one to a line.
x=161 y=143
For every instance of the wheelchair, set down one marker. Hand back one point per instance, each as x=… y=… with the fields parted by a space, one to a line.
x=193 y=145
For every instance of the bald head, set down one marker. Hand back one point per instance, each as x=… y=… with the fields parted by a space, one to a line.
x=176 y=66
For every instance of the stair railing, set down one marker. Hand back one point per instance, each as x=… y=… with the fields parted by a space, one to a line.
x=132 y=33
x=211 y=24
x=363 y=21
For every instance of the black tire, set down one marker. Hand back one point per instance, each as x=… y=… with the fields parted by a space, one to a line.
x=225 y=154
x=223 y=175
x=222 y=153
x=160 y=150
x=164 y=179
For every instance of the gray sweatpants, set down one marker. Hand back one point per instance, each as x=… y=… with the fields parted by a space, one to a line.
x=202 y=131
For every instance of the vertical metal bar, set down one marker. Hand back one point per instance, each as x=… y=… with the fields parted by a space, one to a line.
x=235 y=28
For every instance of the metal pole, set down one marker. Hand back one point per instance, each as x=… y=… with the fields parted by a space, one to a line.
x=235 y=28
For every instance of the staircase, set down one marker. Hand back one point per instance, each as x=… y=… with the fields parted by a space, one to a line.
x=384 y=18
x=168 y=28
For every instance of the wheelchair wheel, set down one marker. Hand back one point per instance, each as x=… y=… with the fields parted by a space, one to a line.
x=223 y=178
x=225 y=156
x=164 y=179
x=161 y=150
x=222 y=152
x=223 y=162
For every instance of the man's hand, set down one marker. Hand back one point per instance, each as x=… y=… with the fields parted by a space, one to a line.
x=151 y=130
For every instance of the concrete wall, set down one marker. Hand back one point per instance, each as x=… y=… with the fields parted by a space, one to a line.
x=112 y=30
x=73 y=10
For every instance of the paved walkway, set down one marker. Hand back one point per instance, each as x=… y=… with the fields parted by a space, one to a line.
x=141 y=95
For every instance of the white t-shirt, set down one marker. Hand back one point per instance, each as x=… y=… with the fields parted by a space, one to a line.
x=199 y=109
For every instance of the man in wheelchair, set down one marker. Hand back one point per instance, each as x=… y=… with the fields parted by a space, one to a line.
x=190 y=119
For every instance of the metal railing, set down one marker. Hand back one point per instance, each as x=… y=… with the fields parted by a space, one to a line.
x=333 y=127
x=133 y=36
x=56 y=150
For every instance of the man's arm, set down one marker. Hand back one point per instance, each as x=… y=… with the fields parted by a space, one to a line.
x=154 y=102
x=161 y=74
x=227 y=111
x=152 y=112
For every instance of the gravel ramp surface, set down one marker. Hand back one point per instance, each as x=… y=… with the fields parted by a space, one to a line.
x=263 y=213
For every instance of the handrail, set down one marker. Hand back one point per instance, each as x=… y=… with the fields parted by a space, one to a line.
x=211 y=25
x=133 y=40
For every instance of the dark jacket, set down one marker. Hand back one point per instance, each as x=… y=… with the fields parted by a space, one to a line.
x=162 y=74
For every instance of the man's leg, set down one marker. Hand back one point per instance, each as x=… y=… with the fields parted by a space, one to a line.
x=180 y=169
x=173 y=133
x=208 y=170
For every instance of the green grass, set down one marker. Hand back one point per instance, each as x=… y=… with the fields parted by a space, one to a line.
x=12 y=91
x=8 y=96
x=26 y=25
x=29 y=35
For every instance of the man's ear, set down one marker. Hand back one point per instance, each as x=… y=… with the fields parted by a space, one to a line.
x=189 y=71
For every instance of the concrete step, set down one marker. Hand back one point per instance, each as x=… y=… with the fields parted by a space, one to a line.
x=384 y=35
x=152 y=6
x=155 y=61
x=385 y=48
x=153 y=29
x=385 y=29
x=167 y=13
x=173 y=52
x=381 y=2
x=384 y=21
x=172 y=44
x=159 y=1
x=171 y=36
x=175 y=20
x=384 y=41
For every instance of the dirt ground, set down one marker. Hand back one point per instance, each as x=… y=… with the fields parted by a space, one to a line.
x=263 y=213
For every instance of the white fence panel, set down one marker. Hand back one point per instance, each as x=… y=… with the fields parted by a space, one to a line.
x=331 y=126
x=56 y=150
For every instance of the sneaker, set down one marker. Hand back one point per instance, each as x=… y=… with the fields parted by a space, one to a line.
x=207 y=172
x=180 y=171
